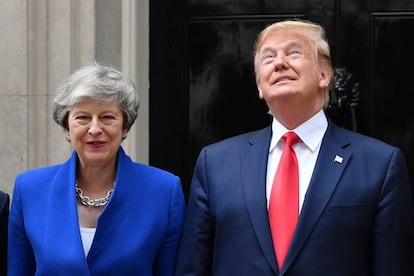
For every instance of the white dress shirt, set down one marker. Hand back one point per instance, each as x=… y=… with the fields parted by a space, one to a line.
x=310 y=133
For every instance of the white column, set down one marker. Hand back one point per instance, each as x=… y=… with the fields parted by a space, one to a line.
x=135 y=63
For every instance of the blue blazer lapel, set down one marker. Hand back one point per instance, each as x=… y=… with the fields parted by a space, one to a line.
x=332 y=160
x=253 y=166
x=62 y=225
x=116 y=208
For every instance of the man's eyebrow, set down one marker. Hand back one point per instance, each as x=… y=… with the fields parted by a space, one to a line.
x=289 y=44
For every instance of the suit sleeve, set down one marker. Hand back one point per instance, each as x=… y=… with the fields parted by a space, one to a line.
x=4 y=215
x=393 y=237
x=20 y=255
x=165 y=262
x=195 y=253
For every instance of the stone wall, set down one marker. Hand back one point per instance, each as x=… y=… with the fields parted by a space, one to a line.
x=43 y=42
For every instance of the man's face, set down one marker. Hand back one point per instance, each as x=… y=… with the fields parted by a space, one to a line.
x=288 y=70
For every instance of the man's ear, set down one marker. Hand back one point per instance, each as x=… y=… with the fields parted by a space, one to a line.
x=325 y=77
x=258 y=88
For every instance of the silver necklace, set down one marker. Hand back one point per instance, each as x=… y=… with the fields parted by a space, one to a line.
x=87 y=201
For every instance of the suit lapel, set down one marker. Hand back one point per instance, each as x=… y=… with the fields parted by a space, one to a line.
x=253 y=168
x=116 y=208
x=332 y=160
x=64 y=216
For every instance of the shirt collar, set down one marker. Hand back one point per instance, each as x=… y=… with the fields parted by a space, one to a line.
x=310 y=132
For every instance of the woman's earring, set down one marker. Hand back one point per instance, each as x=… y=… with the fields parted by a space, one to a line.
x=68 y=138
x=124 y=137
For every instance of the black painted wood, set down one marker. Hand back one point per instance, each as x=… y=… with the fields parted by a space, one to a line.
x=202 y=86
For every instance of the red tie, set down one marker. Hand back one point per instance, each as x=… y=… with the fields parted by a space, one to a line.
x=284 y=199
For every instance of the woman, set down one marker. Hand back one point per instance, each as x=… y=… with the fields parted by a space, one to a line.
x=99 y=213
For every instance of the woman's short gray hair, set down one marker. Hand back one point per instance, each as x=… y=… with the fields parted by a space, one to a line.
x=100 y=83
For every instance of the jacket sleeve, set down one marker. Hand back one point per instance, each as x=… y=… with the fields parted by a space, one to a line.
x=393 y=233
x=20 y=255
x=165 y=261
x=196 y=248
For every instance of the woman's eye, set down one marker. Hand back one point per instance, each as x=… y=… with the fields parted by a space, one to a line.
x=81 y=117
x=108 y=118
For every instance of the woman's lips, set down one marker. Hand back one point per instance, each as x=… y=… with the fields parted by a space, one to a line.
x=96 y=144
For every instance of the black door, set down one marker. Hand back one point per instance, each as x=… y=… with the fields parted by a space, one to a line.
x=202 y=86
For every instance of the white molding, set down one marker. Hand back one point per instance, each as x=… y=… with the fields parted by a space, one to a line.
x=135 y=64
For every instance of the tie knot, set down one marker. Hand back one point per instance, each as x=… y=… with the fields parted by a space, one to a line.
x=290 y=138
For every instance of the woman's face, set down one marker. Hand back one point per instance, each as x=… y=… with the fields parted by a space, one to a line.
x=95 y=131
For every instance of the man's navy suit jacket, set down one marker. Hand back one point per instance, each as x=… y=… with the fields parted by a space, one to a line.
x=357 y=216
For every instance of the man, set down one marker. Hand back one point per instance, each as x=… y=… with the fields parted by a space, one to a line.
x=353 y=213
x=4 y=215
